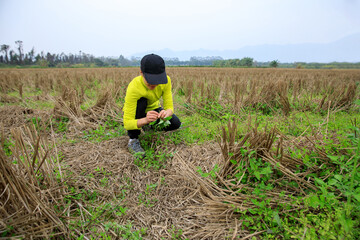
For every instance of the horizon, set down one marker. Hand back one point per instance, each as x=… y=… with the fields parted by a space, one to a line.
x=218 y=55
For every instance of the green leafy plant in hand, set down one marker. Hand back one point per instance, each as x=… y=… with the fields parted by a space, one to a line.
x=161 y=123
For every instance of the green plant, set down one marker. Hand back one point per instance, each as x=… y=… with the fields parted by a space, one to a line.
x=212 y=173
x=161 y=123
x=176 y=234
x=7 y=231
x=110 y=129
x=145 y=198
x=7 y=147
x=61 y=124
x=126 y=231
x=156 y=153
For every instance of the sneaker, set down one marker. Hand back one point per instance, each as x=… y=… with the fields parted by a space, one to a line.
x=135 y=148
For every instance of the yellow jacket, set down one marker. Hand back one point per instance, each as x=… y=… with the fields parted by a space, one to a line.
x=136 y=90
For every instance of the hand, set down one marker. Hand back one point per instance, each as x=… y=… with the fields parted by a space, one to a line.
x=165 y=113
x=151 y=116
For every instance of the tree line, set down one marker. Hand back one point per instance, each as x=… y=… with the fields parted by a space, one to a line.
x=17 y=57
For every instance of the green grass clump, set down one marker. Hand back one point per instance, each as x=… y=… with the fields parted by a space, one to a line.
x=110 y=129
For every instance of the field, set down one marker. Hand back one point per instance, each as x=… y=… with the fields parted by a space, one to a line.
x=261 y=154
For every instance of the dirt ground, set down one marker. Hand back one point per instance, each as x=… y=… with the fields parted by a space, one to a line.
x=176 y=198
x=170 y=202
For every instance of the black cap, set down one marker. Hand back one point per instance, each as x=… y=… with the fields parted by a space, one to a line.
x=153 y=68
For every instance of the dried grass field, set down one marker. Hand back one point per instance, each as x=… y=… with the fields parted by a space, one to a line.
x=262 y=154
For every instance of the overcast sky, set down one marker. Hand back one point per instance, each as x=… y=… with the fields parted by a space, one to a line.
x=114 y=27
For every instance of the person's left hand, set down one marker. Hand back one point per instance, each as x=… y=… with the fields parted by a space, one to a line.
x=165 y=113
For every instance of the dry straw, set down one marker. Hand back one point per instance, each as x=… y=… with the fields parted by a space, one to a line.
x=29 y=189
x=203 y=207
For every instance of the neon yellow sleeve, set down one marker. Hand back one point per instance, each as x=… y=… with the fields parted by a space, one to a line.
x=167 y=96
x=131 y=98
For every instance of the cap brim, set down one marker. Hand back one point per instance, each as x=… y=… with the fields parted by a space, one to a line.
x=155 y=79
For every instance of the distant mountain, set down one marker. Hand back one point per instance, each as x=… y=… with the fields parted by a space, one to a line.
x=344 y=50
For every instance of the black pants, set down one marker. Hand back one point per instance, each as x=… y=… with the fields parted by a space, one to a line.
x=140 y=113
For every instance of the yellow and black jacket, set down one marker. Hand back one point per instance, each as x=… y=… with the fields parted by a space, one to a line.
x=136 y=90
